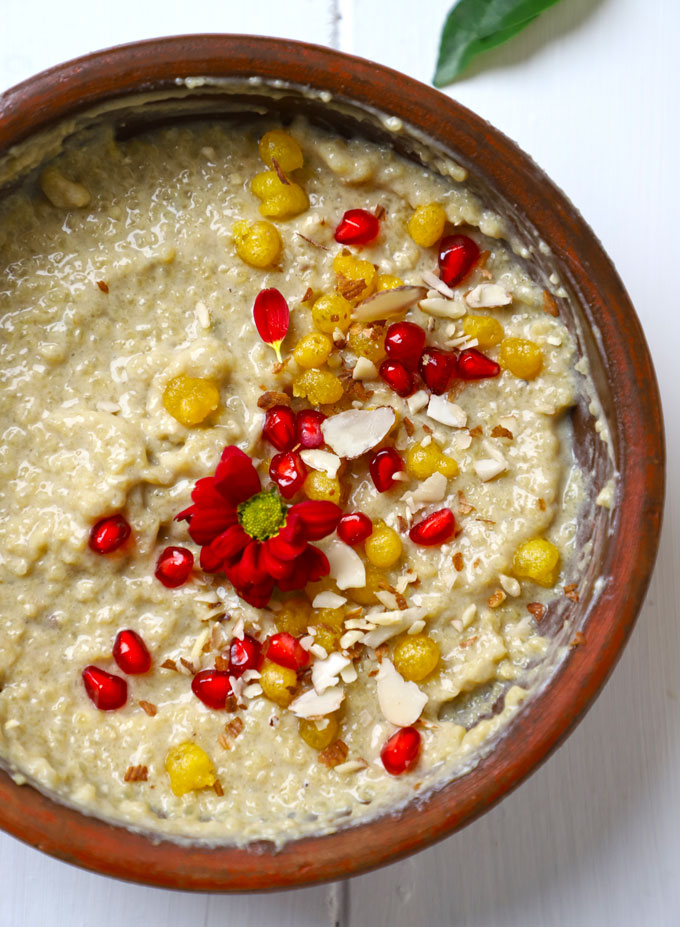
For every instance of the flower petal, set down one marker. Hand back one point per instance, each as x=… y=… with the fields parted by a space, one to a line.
x=224 y=549
x=258 y=595
x=271 y=315
x=291 y=540
x=278 y=569
x=210 y=515
x=246 y=571
x=236 y=477
x=309 y=567
x=319 y=518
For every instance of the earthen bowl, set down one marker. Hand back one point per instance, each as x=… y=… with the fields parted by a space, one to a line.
x=355 y=96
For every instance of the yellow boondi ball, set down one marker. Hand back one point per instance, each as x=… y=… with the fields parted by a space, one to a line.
x=332 y=311
x=383 y=548
x=190 y=400
x=523 y=358
x=295 y=616
x=313 y=350
x=278 y=683
x=416 y=657
x=424 y=460
x=319 y=387
x=279 y=200
x=426 y=225
x=388 y=282
x=355 y=270
x=487 y=330
x=281 y=147
x=321 y=487
x=368 y=341
x=537 y=560
x=257 y=243
x=189 y=768
x=318 y=733
x=366 y=595
x=327 y=637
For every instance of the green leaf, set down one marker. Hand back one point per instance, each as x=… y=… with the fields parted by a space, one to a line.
x=475 y=26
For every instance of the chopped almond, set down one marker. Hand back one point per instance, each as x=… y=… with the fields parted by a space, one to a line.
x=409 y=426
x=273 y=398
x=103 y=286
x=497 y=598
x=570 y=592
x=541 y=504
x=309 y=295
x=379 y=211
x=499 y=432
x=550 y=303
x=225 y=741
x=335 y=754
x=536 y=609
x=458 y=561
x=221 y=663
x=475 y=432
x=234 y=727
x=187 y=664
x=136 y=774
x=350 y=289
x=148 y=707
x=217 y=786
x=470 y=641
x=464 y=506
x=169 y=664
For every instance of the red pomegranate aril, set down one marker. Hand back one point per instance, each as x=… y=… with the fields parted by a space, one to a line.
x=279 y=427
x=397 y=377
x=212 y=687
x=354 y=528
x=107 y=691
x=288 y=472
x=458 y=254
x=401 y=751
x=404 y=342
x=174 y=566
x=473 y=365
x=436 y=529
x=109 y=534
x=308 y=428
x=286 y=650
x=244 y=655
x=357 y=227
x=437 y=368
x=131 y=653
x=382 y=467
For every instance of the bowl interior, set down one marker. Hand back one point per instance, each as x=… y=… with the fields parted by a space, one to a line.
x=555 y=240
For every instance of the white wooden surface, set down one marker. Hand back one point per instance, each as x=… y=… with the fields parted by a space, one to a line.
x=592 y=91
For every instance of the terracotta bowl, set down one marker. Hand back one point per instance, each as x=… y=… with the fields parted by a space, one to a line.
x=354 y=96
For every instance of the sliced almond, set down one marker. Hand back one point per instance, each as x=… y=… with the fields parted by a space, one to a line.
x=448 y=413
x=488 y=296
x=364 y=369
x=312 y=705
x=350 y=434
x=325 y=672
x=322 y=460
x=328 y=599
x=488 y=467
x=388 y=303
x=442 y=308
x=401 y=702
x=433 y=281
x=417 y=401
x=347 y=567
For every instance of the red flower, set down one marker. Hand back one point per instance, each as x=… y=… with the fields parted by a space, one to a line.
x=271 y=318
x=252 y=536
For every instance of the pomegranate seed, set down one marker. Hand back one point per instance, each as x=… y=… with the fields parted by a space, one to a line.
x=354 y=528
x=383 y=466
x=279 y=427
x=130 y=653
x=357 y=227
x=437 y=528
x=457 y=256
x=286 y=650
x=401 y=751
x=437 y=368
x=174 y=566
x=473 y=365
x=308 y=430
x=107 y=691
x=288 y=472
x=404 y=342
x=109 y=534
x=244 y=655
x=272 y=317
x=212 y=687
x=397 y=377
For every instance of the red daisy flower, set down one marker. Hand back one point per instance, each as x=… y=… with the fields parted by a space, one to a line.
x=252 y=536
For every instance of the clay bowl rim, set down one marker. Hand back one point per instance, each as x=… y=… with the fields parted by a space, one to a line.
x=550 y=716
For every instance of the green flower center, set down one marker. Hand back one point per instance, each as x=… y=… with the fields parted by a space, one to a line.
x=262 y=515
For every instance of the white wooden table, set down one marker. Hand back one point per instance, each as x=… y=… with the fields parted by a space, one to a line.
x=592 y=91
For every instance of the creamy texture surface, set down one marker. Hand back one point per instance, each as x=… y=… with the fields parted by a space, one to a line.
x=85 y=434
